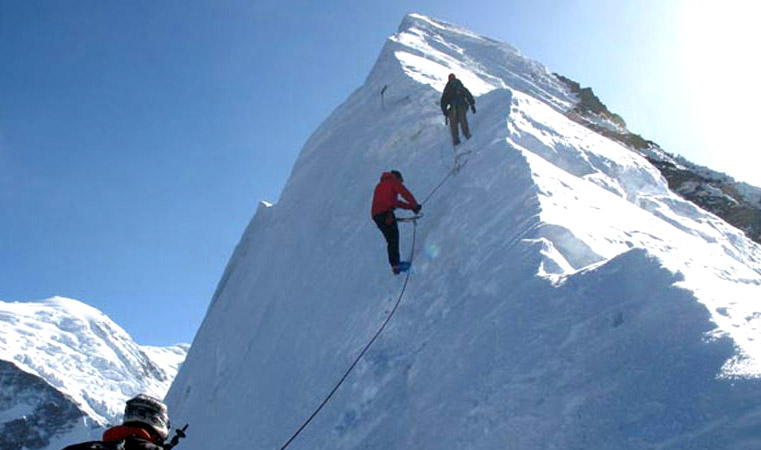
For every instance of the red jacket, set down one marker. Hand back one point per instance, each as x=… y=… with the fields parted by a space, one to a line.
x=119 y=433
x=386 y=196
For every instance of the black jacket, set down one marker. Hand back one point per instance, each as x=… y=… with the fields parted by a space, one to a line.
x=130 y=443
x=455 y=94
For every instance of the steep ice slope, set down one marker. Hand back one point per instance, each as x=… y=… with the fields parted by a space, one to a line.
x=66 y=370
x=561 y=296
x=719 y=264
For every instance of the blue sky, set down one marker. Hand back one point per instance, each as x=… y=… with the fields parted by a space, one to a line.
x=136 y=138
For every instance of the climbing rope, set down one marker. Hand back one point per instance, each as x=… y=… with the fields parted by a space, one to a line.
x=455 y=168
x=452 y=171
x=414 y=220
x=364 y=350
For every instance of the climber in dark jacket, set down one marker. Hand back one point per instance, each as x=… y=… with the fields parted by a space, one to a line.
x=385 y=200
x=145 y=427
x=455 y=101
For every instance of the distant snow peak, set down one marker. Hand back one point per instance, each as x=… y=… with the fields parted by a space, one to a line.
x=63 y=352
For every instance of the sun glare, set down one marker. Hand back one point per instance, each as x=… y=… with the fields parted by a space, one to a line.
x=719 y=50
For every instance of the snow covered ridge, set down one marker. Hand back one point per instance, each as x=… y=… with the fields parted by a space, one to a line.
x=65 y=353
x=737 y=203
x=561 y=295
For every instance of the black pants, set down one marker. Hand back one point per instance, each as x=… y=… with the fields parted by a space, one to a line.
x=391 y=233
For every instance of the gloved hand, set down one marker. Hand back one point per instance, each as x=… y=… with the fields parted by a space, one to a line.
x=418 y=208
x=446 y=120
x=473 y=108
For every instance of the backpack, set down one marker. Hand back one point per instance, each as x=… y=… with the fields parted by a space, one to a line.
x=97 y=445
x=130 y=443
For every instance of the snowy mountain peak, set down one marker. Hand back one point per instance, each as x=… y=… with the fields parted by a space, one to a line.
x=429 y=50
x=561 y=295
x=75 y=353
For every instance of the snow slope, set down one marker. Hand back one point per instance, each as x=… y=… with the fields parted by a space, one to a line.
x=561 y=295
x=67 y=370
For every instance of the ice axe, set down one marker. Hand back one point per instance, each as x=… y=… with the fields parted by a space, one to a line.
x=179 y=433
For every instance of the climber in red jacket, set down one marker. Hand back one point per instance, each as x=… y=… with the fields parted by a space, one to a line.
x=145 y=427
x=385 y=200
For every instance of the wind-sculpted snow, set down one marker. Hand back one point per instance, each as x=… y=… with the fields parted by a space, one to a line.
x=719 y=264
x=560 y=296
x=431 y=50
x=68 y=369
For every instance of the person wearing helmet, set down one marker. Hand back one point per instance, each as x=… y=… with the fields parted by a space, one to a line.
x=455 y=101
x=385 y=200
x=145 y=427
x=145 y=419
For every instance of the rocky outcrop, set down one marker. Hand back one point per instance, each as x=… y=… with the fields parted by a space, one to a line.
x=719 y=194
x=31 y=411
x=737 y=203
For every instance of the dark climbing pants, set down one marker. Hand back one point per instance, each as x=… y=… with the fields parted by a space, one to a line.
x=391 y=233
x=458 y=116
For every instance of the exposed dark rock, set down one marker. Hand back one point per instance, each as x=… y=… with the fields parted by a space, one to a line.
x=717 y=196
x=589 y=103
x=49 y=412
x=712 y=191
